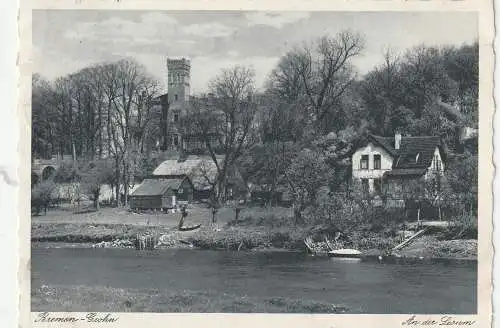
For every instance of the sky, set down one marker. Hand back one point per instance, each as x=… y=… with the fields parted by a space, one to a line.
x=65 y=41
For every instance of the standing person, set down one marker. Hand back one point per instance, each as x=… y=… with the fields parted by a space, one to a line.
x=184 y=214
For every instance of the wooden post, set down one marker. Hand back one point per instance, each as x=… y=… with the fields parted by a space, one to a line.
x=145 y=242
x=73 y=151
x=237 y=210
x=214 y=211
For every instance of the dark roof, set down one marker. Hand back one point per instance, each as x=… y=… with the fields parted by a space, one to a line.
x=405 y=172
x=157 y=187
x=386 y=142
x=424 y=147
x=410 y=147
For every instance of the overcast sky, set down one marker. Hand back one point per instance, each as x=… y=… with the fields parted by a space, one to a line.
x=65 y=41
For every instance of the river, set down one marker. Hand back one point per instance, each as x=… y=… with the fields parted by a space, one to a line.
x=363 y=286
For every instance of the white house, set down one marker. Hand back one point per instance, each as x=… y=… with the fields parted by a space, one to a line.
x=382 y=160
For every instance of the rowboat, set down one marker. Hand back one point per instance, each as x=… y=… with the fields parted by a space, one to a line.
x=345 y=253
x=189 y=228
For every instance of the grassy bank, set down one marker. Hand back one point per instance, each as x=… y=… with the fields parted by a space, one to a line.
x=256 y=228
x=106 y=299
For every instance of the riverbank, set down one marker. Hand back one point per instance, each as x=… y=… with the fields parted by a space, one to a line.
x=232 y=238
x=107 y=299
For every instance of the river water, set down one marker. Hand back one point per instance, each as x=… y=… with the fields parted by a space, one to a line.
x=363 y=286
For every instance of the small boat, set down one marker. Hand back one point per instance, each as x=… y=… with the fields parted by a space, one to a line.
x=189 y=228
x=345 y=253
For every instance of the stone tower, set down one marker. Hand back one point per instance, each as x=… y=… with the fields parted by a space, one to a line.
x=179 y=74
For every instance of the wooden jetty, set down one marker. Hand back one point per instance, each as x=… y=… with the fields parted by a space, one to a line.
x=411 y=239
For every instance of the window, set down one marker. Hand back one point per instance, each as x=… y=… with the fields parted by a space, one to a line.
x=363 y=165
x=180 y=191
x=176 y=117
x=377 y=162
x=377 y=185
x=176 y=97
x=365 y=185
x=437 y=163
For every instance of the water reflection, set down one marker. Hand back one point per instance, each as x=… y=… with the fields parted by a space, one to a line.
x=366 y=286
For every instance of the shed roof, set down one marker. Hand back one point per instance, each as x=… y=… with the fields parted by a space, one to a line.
x=157 y=187
x=200 y=170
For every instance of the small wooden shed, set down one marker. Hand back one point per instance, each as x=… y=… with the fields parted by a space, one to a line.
x=201 y=170
x=161 y=193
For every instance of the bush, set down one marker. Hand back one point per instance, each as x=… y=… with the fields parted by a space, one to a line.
x=264 y=219
x=338 y=212
x=462 y=227
x=67 y=172
x=42 y=196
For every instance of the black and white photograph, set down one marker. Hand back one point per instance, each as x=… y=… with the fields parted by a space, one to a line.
x=308 y=162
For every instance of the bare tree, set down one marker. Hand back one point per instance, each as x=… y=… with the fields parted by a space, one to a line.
x=318 y=74
x=45 y=118
x=225 y=120
x=131 y=95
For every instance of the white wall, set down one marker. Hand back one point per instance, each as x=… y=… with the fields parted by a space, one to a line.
x=370 y=149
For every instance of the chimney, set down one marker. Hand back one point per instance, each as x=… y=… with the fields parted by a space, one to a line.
x=397 y=140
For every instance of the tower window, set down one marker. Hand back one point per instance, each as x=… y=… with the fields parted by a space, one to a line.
x=176 y=117
x=176 y=97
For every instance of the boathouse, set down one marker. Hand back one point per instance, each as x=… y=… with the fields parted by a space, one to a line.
x=200 y=170
x=162 y=193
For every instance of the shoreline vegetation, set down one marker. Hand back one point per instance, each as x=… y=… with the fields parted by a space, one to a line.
x=259 y=233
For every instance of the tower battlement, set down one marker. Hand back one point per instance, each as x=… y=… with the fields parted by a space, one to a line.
x=178 y=64
x=179 y=76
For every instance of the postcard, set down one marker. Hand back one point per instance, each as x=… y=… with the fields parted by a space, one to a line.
x=251 y=164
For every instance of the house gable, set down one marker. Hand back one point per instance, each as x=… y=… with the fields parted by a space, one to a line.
x=370 y=149
x=437 y=164
x=186 y=185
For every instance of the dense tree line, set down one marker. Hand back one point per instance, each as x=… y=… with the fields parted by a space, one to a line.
x=317 y=107
x=103 y=111
x=297 y=135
